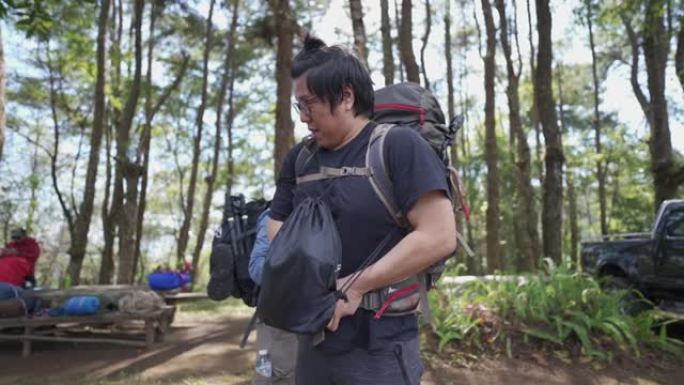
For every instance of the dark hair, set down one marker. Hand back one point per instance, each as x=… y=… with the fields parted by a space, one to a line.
x=329 y=69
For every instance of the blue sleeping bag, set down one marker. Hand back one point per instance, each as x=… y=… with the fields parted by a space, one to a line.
x=167 y=280
x=82 y=305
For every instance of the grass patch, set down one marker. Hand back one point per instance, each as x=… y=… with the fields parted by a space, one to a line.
x=557 y=309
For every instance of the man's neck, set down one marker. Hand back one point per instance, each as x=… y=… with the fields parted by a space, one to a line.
x=355 y=128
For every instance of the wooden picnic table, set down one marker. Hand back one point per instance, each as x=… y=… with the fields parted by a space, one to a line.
x=57 y=328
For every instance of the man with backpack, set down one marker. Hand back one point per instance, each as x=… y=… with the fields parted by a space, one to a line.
x=335 y=99
x=277 y=346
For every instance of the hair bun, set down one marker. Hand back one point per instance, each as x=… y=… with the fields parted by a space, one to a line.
x=313 y=43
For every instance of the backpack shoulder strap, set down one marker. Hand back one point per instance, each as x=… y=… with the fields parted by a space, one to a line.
x=379 y=177
x=307 y=152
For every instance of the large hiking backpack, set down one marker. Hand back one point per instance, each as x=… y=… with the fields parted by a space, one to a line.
x=399 y=104
x=231 y=249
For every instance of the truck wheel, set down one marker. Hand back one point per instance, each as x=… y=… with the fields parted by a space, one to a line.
x=632 y=303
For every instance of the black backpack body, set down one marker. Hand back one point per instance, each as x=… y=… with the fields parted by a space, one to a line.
x=231 y=249
x=299 y=283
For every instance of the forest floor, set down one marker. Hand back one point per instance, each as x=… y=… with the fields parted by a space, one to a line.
x=202 y=348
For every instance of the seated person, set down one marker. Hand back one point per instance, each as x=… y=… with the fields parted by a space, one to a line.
x=18 y=258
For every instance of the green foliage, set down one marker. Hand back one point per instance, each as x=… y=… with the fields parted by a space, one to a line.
x=558 y=308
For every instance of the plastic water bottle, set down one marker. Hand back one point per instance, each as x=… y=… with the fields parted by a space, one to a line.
x=263 y=363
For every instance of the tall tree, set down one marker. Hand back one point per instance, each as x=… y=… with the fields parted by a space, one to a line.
x=397 y=22
x=572 y=212
x=79 y=235
x=2 y=94
x=151 y=109
x=552 y=212
x=534 y=111
x=679 y=54
x=493 y=211
x=406 y=43
x=130 y=171
x=284 y=127
x=667 y=176
x=356 y=11
x=600 y=163
x=211 y=178
x=426 y=36
x=113 y=195
x=525 y=210
x=387 y=56
x=189 y=206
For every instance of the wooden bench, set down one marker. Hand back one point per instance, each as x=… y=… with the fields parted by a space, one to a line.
x=47 y=328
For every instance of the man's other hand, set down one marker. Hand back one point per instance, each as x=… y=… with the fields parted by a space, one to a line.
x=345 y=308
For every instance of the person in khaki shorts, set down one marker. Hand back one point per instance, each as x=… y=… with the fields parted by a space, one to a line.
x=280 y=345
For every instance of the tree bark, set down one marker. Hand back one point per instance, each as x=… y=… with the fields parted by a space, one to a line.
x=387 y=57
x=572 y=212
x=525 y=209
x=397 y=22
x=552 y=214
x=130 y=171
x=110 y=211
x=600 y=163
x=79 y=237
x=360 y=42
x=679 y=57
x=211 y=178
x=2 y=95
x=405 y=43
x=188 y=209
x=534 y=111
x=493 y=211
x=656 y=50
x=428 y=24
x=284 y=127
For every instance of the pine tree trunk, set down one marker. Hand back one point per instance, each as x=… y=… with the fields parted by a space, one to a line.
x=572 y=212
x=189 y=207
x=397 y=22
x=211 y=178
x=284 y=127
x=79 y=237
x=356 y=11
x=493 y=246
x=2 y=95
x=525 y=209
x=428 y=24
x=130 y=171
x=600 y=164
x=405 y=43
x=111 y=210
x=656 y=49
x=387 y=57
x=552 y=214
x=534 y=111
x=145 y=139
x=679 y=57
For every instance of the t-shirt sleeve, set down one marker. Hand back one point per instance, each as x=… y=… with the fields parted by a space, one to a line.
x=413 y=166
x=282 y=204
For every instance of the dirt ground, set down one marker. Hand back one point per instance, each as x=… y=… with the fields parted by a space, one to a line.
x=202 y=349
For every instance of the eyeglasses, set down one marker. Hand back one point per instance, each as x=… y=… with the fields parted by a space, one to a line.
x=304 y=106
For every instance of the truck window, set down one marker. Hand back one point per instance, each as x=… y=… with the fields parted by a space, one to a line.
x=675 y=227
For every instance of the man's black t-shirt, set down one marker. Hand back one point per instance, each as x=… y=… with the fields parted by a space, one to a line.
x=362 y=220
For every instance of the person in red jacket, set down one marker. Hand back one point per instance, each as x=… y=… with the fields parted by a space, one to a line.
x=18 y=258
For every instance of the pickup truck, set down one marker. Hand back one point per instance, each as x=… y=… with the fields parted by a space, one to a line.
x=652 y=262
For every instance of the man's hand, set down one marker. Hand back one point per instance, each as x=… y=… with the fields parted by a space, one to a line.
x=345 y=308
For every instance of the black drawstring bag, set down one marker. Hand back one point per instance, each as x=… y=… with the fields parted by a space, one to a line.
x=298 y=291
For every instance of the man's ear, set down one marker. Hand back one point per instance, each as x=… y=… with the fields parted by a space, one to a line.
x=348 y=99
